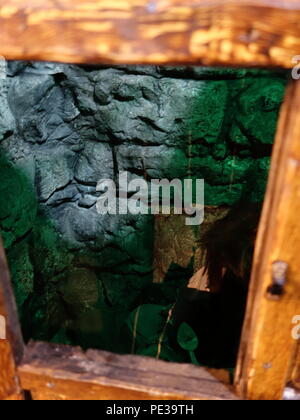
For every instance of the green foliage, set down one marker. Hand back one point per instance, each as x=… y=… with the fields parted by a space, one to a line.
x=166 y=353
x=146 y=324
x=147 y=328
x=188 y=340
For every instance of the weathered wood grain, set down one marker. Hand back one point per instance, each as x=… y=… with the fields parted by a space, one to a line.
x=11 y=349
x=294 y=378
x=55 y=372
x=268 y=347
x=210 y=32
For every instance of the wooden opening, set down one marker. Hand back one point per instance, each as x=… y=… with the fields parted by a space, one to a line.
x=256 y=33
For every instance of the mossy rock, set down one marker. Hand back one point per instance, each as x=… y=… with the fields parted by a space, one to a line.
x=18 y=205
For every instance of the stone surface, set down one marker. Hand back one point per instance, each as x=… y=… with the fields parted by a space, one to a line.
x=78 y=274
x=178 y=246
x=94 y=163
x=54 y=170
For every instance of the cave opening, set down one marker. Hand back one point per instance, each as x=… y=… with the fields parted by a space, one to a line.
x=134 y=283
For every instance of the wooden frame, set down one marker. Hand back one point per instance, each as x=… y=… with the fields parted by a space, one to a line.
x=11 y=349
x=221 y=32
x=267 y=345
x=211 y=32
x=63 y=372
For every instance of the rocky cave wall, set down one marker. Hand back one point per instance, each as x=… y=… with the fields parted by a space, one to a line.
x=77 y=274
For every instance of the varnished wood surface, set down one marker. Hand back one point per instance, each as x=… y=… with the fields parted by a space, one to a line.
x=268 y=348
x=294 y=378
x=11 y=349
x=55 y=372
x=209 y=32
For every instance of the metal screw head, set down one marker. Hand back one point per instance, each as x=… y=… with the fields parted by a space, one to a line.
x=279 y=272
x=267 y=366
x=279 y=279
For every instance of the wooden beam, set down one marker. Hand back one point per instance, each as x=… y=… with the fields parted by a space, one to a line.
x=294 y=378
x=56 y=372
x=210 y=32
x=267 y=347
x=11 y=343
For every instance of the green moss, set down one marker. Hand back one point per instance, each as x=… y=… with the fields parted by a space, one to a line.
x=207 y=112
x=17 y=205
x=229 y=140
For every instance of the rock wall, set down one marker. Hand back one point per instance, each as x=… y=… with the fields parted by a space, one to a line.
x=63 y=128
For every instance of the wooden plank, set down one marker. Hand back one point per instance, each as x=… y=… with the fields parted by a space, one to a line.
x=210 y=32
x=11 y=348
x=267 y=346
x=295 y=369
x=56 y=372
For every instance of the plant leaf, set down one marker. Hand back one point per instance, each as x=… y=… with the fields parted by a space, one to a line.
x=145 y=325
x=166 y=353
x=187 y=337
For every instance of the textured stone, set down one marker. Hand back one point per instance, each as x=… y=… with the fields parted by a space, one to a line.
x=259 y=107
x=78 y=274
x=156 y=162
x=87 y=201
x=177 y=245
x=7 y=122
x=79 y=290
x=66 y=195
x=17 y=204
x=22 y=273
x=94 y=164
x=54 y=171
